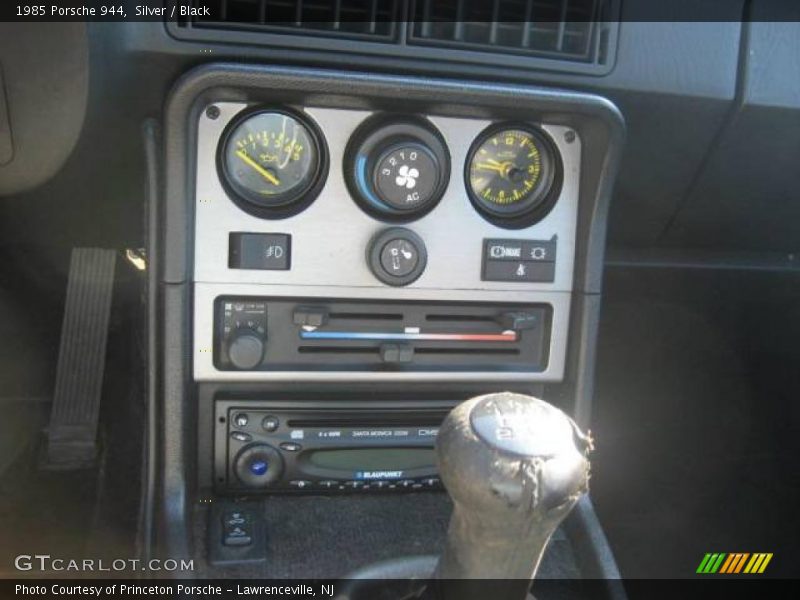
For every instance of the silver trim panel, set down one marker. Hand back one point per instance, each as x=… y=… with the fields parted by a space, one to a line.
x=330 y=237
x=206 y=293
x=329 y=241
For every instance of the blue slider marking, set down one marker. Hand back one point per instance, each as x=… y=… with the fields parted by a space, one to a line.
x=506 y=336
x=345 y=335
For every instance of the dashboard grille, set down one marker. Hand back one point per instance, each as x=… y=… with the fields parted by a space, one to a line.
x=568 y=29
x=365 y=19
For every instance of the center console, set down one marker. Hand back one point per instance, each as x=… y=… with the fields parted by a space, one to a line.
x=344 y=257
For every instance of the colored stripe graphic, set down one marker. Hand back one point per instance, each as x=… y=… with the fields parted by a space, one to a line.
x=727 y=564
x=703 y=563
x=711 y=562
x=758 y=563
x=734 y=563
x=717 y=563
x=506 y=336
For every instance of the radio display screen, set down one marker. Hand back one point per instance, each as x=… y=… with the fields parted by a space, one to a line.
x=374 y=459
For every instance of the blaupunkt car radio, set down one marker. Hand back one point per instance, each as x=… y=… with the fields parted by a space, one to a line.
x=266 y=448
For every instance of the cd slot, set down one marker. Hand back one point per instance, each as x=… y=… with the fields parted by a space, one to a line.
x=398 y=421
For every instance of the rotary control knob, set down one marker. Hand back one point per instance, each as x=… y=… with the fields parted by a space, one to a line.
x=246 y=349
x=397 y=169
x=406 y=176
x=397 y=256
x=258 y=465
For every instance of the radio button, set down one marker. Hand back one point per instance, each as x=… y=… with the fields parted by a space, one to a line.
x=405 y=483
x=291 y=447
x=270 y=424
x=354 y=485
x=328 y=483
x=241 y=436
x=432 y=482
x=300 y=484
x=379 y=485
x=241 y=420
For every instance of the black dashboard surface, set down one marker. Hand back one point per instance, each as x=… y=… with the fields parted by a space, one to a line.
x=693 y=94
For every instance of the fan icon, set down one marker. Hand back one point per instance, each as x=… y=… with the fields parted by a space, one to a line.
x=407 y=177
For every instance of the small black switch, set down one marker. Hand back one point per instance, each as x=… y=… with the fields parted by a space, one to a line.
x=236 y=517
x=269 y=251
x=520 y=250
x=309 y=316
x=532 y=271
x=270 y=423
x=541 y=251
x=237 y=529
x=503 y=250
x=237 y=536
x=518 y=321
x=519 y=260
x=397 y=353
x=236 y=533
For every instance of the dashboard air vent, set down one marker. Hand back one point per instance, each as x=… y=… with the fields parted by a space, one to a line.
x=576 y=36
x=565 y=29
x=373 y=20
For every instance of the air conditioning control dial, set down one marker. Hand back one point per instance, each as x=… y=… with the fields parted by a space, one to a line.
x=397 y=169
x=406 y=176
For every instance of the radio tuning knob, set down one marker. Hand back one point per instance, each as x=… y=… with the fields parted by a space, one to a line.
x=246 y=349
x=258 y=465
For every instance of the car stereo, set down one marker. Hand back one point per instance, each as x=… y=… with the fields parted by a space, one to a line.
x=265 y=448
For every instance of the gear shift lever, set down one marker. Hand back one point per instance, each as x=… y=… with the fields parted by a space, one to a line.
x=514 y=466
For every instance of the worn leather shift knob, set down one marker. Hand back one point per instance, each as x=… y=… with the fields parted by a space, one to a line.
x=514 y=466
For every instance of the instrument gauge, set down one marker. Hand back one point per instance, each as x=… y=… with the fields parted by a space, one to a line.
x=272 y=162
x=513 y=175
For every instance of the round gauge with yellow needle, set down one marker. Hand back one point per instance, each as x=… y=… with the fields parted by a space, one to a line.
x=513 y=174
x=272 y=161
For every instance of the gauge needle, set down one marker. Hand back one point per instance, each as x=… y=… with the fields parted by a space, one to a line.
x=258 y=168
x=500 y=168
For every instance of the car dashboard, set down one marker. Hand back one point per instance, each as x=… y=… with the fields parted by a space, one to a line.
x=343 y=222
